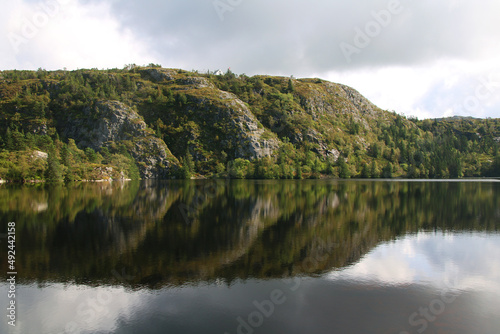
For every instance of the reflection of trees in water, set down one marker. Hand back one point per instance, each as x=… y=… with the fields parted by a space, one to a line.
x=236 y=229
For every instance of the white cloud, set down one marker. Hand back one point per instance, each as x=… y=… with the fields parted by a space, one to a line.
x=72 y=35
x=424 y=63
x=441 y=88
x=455 y=261
x=73 y=309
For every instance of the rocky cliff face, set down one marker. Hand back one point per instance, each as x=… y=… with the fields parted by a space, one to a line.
x=161 y=115
x=105 y=122
x=112 y=122
x=215 y=120
x=248 y=135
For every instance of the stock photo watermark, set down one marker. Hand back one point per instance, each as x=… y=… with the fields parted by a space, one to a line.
x=266 y=308
x=11 y=273
x=421 y=318
x=89 y=310
x=223 y=6
x=30 y=26
x=486 y=89
x=363 y=37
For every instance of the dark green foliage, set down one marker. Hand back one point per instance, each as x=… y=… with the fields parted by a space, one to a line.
x=92 y=156
x=354 y=127
x=188 y=166
x=387 y=171
x=330 y=166
x=291 y=87
x=495 y=168
x=54 y=171
x=197 y=128
x=181 y=99
x=374 y=170
x=344 y=172
x=238 y=168
x=298 y=171
x=374 y=150
x=366 y=171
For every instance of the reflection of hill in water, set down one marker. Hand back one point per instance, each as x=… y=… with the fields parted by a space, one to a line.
x=175 y=232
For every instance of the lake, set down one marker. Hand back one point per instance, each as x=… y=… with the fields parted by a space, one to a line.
x=243 y=256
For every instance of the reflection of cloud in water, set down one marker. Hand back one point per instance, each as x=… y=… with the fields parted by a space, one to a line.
x=60 y=308
x=454 y=260
x=391 y=282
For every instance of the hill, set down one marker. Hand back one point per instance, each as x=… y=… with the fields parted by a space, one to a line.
x=151 y=122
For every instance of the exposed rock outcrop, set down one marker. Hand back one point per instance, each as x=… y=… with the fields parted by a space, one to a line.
x=361 y=103
x=160 y=74
x=40 y=155
x=252 y=139
x=113 y=121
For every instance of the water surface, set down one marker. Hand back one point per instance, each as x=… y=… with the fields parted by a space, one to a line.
x=255 y=257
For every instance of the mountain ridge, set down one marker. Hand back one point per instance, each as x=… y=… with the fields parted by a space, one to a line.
x=152 y=122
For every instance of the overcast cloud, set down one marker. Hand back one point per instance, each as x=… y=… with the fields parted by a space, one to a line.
x=423 y=58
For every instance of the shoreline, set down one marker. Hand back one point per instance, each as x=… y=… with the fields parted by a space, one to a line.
x=395 y=179
x=44 y=181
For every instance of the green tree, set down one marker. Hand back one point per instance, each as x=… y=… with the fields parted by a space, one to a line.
x=188 y=166
x=105 y=154
x=19 y=142
x=374 y=150
x=54 y=170
x=330 y=169
x=159 y=127
x=413 y=172
x=9 y=140
x=316 y=168
x=456 y=167
x=387 y=171
x=366 y=171
x=181 y=99
x=66 y=155
x=298 y=171
x=238 y=168
x=495 y=170
x=219 y=168
x=291 y=87
x=265 y=168
x=92 y=156
x=344 y=171
x=373 y=169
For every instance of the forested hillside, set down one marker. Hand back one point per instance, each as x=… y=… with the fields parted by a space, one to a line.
x=150 y=122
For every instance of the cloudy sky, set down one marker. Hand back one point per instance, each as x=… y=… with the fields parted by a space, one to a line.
x=421 y=58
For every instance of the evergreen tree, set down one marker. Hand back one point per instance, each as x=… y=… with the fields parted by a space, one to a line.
x=344 y=171
x=9 y=141
x=188 y=166
x=316 y=168
x=365 y=171
x=65 y=155
x=495 y=170
x=373 y=169
x=455 y=167
x=54 y=170
x=291 y=87
x=387 y=171
x=329 y=167
x=189 y=162
x=91 y=155
x=298 y=171
x=412 y=172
